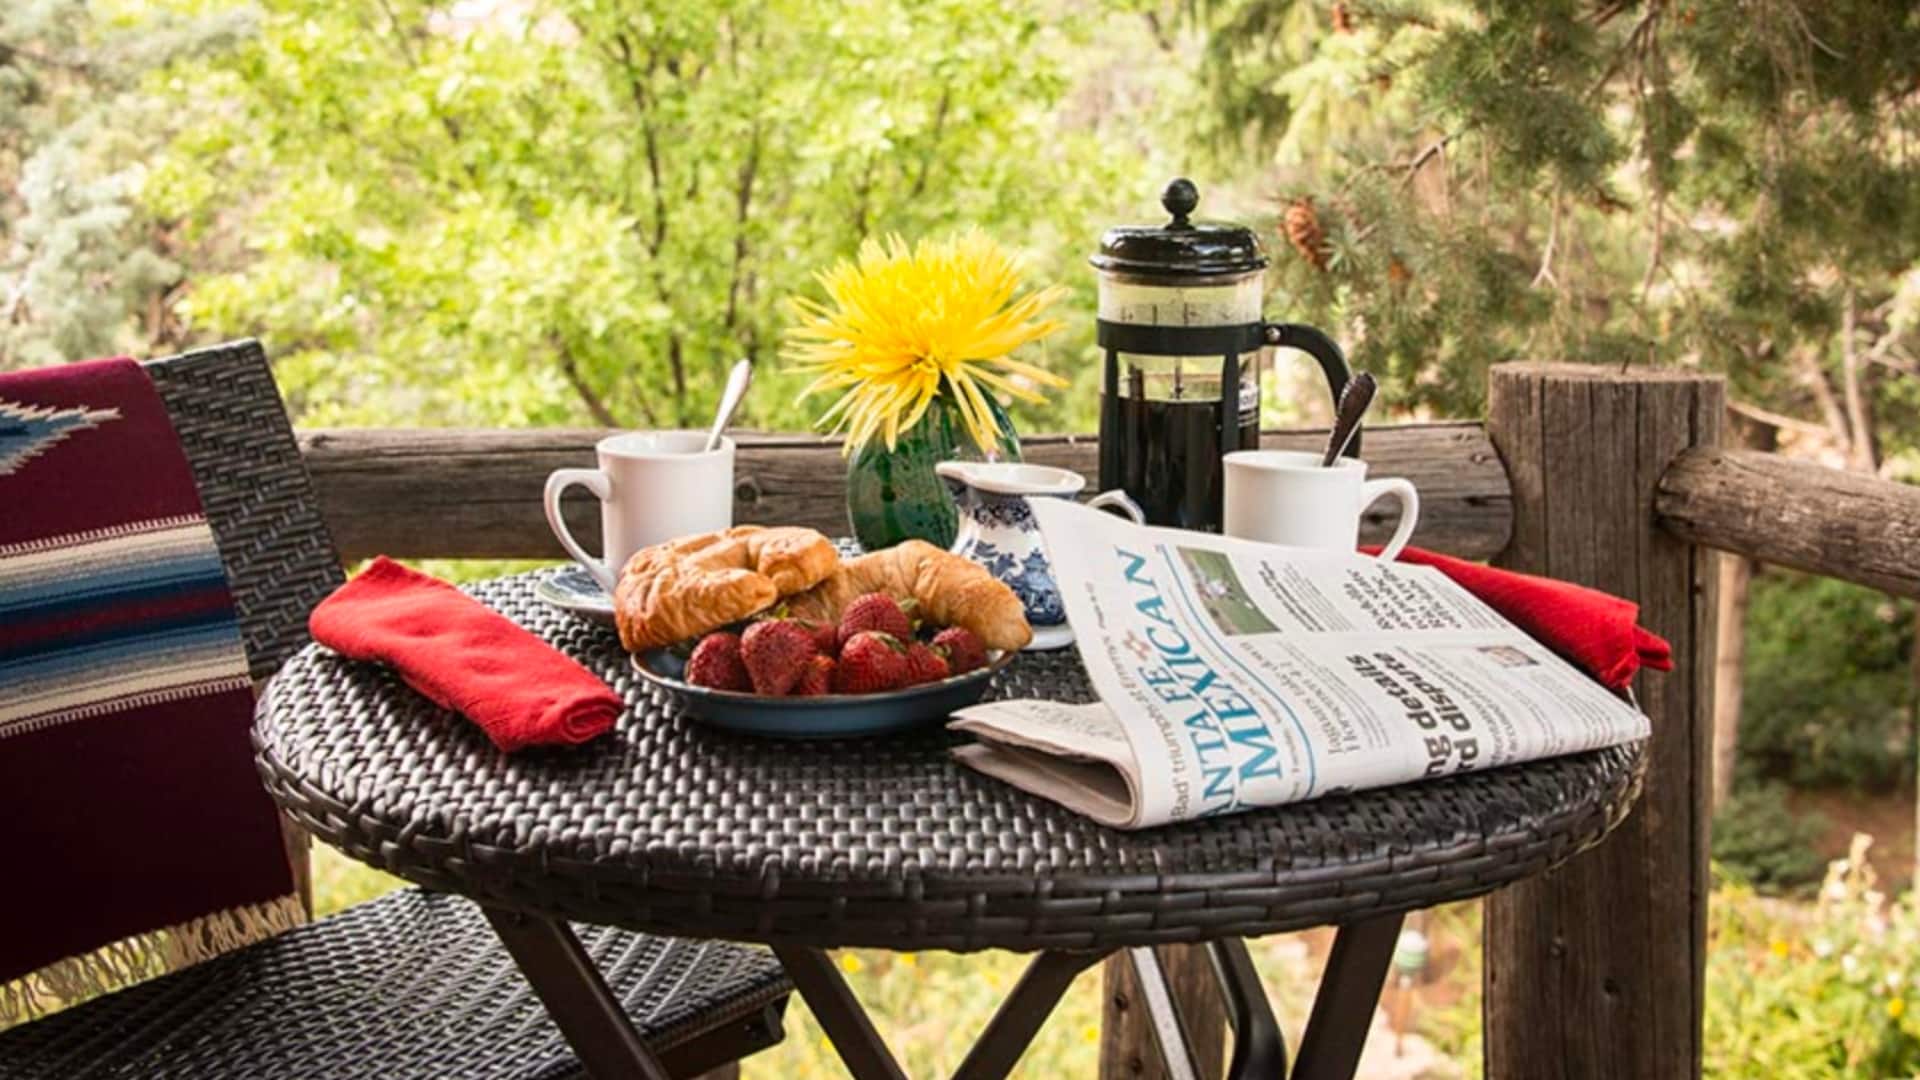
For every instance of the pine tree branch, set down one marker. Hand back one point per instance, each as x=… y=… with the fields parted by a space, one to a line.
x=1605 y=14
x=1894 y=363
x=1861 y=452
x=1659 y=243
x=1437 y=147
x=1823 y=395
x=1544 y=276
x=1779 y=420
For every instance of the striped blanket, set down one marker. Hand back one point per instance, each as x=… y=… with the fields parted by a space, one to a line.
x=98 y=623
x=130 y=813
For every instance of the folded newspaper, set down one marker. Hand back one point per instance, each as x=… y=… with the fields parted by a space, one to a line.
x=1234 y=674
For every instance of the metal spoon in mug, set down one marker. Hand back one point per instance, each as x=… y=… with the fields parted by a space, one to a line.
x=1346 y=419
x=737 y=381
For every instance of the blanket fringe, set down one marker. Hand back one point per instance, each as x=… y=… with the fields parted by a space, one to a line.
x=143 y=956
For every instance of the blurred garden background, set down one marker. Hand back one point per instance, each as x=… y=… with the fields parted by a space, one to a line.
x=581 y=212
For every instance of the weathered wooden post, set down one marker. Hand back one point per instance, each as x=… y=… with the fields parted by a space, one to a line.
x=1598 y=970
x=1127 y=1047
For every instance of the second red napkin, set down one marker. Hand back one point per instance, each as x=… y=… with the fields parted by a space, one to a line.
x=466 y=657
x=1597 y=631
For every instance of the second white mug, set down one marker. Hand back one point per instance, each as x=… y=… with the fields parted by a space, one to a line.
x=1288 y=497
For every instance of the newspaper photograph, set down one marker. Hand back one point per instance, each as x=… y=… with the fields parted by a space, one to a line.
x=1233 y=674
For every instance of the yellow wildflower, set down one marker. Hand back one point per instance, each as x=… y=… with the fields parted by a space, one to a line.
x=851 y=964
x=902 y=321
x=1896 y=1007
x=1779 y=948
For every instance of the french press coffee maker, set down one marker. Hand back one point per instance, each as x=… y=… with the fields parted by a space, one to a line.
x=1180 y=324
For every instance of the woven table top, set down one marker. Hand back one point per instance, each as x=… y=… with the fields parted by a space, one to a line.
x=672 y=827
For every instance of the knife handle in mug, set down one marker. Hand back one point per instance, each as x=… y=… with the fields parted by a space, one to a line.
x=557 y=483
x=1409 y=498
x=1325 y=352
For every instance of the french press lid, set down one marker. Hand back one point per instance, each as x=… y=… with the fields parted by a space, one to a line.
x=1181 y=248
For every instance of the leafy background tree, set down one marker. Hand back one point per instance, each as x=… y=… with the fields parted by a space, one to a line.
x=584 y=211
x=84 y=269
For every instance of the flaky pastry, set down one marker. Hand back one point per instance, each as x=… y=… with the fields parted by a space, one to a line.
x=950 y=591
x=684 y=588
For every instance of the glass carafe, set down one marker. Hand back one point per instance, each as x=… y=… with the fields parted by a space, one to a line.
x=1180 y=324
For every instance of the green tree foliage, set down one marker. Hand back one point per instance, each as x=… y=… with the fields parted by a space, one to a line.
x=586 y=210
x=1829 y=693
x=83 y=271
x=1613 y=181
x=1759 y=839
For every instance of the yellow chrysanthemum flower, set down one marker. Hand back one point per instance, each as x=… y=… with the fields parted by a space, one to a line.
x=901 y=321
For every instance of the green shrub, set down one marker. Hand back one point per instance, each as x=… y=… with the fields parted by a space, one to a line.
x=1759 y=841
x=1814 y=990
x=1829 y=689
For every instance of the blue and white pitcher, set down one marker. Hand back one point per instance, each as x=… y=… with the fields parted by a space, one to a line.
x=997 y=530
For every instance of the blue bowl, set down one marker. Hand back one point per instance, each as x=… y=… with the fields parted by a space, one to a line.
x=828 y=716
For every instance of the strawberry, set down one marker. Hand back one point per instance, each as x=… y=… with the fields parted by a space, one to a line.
x=776 y=652
x=925 y=664
x=826 y=636
x=871 y=661
x=716 y=663
x=874 y=611
x=818 y=678
x=964 y=651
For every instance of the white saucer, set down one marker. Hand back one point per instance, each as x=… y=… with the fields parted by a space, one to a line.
x=574 y=591
x=1048 y=638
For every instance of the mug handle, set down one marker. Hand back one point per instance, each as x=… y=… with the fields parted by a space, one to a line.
x=1121 y=501
x=1374 y=490
x=595 y=481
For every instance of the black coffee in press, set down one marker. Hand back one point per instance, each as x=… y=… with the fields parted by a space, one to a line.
x=1167 y=457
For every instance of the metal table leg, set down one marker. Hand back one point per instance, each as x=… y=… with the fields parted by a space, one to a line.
x=1259 y=1050
x=1018 y=1019
x=1349 y=991
x=994 y=1052
x=860 y=1047
x=578 y=999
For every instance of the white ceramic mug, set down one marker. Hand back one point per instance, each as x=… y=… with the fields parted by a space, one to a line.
x=653 y=486
x=1287 y=497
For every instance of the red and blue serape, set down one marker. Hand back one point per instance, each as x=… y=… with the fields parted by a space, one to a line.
x=128 y=799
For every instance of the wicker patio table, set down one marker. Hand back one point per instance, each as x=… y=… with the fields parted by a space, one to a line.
x=670 y=827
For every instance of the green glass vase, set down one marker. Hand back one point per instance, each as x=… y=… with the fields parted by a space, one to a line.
x=893 y=495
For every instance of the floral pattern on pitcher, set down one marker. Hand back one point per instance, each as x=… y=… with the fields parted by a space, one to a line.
x=1030 y=578
x=998 y=531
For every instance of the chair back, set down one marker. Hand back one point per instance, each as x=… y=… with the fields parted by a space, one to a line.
x=259 y=500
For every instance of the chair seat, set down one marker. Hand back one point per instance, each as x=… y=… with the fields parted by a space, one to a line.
x=414 y=984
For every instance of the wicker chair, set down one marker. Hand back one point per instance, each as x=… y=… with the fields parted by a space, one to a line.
x=414 y=984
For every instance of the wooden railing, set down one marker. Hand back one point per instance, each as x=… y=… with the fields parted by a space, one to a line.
x=1611 y=479
x=455 y=493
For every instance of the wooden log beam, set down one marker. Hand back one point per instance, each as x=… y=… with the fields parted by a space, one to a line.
x=1838 y=524
x=453 y=493
x=1599 y=968
x=1128 y=1049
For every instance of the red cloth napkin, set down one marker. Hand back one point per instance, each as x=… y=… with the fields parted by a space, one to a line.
x=450 y=647
x=1597 y=631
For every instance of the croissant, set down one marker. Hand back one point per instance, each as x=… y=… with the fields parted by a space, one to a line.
x=684 y=588
x=950 y=590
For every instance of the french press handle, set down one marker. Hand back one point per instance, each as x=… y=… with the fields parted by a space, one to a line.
x=1333 y=362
